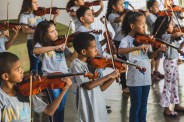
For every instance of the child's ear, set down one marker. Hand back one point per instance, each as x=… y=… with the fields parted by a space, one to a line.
x=151 y=8
x=4 y=76
x=83 y=52
x=82 y=19
x=113 y=7
x=132 y=26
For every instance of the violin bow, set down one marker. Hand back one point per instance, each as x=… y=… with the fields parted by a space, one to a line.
x=69 y=27
x=7 y=16
x=108 y=44
x=51 y=1
x=30 y=95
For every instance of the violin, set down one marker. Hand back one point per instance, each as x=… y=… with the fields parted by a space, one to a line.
x=62 y=38
x=52 y=81
x=42 y=11
x=178 y=30
x=156 y=42
x=93 y=3
x=11 y=25
x=165 y=13
x=99 y=62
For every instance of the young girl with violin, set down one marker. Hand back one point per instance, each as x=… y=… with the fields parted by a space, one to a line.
x=11 y=99
x=137 y=82
x=89 y=101
x=150 y=20
x=170 y=93
x=6 y=43
x=27 y=16
x=72 y=7
x=115 y=16
x=52 y=57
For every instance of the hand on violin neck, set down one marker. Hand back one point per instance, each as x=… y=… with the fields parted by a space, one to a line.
x=114 y=74
x=68 y=82
x=163 y=48
x=16 y=30
x=60 y=47
x=144 y=47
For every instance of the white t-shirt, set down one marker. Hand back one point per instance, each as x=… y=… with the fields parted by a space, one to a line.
x=3 y=40
x=116 y=26
x=53 y=61
x=31 y=20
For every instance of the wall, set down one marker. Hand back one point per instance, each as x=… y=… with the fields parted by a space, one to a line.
x=15 y=6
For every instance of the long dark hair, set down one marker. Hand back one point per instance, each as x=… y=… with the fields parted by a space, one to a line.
x=41 y=33
x=70 y=4
x=26 y=7
x=130 y=18
x=163 y=28
x=109 y=7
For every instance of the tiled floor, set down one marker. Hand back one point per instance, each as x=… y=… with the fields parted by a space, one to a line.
x=120 y=103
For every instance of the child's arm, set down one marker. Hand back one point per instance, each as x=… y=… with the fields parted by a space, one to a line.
x=9 y=42
x=41 y=50
x=119 y=19
x=98 y=82
x=27 y=30
x=56 y=15
x=163 y=48
x=106 y=84
x=123 y=51
x=96 y=14
x=177 y=34
x=73 y=14
x=50 y=109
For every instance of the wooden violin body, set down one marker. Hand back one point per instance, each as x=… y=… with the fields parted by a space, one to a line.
x=43 y=11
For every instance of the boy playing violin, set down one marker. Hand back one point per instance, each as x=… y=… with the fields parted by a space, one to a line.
x=13 y=106
x=90 y=102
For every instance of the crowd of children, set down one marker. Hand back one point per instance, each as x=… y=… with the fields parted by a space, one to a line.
x=47 y=57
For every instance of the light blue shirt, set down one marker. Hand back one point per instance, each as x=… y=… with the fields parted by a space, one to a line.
x=90 y=103
x=3 y=40
x=134 y=76
x=171 y=53
x=31 y=20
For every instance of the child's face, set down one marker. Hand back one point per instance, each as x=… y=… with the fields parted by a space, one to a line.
x=155 y=8
x=171 y=27
x=52 y=33
x=88 y=17
x=16 y=73
x=34 y=5
x=119 y=6
x=91 y=51
x=80 y=2
x=139 y=26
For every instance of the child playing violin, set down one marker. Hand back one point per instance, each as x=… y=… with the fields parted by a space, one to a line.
x=137 y=82
x=72 y=7
x=26 y=16
x=150 y=20
x=89 y=101
x=6 y=43
x=170 y=93
x=52 y=57
x=11 y=73
x=115 y=16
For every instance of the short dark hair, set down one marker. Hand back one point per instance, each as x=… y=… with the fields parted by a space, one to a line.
x=6 y=61
x=81 y=12
x=82 y=41
x=150 y=3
